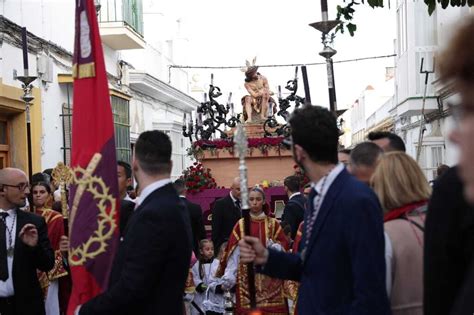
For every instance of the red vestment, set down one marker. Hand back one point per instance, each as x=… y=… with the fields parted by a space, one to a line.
x=55 y=223
x=269 y=291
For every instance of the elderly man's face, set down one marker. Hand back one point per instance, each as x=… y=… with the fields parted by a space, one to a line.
x=463 y=135
x=15 y=188
x=235 y=188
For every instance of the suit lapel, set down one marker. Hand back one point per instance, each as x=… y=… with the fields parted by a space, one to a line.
x=156 y=192
x=153 y=193
x=235 y=210
x=325 y=208
x=21 y=220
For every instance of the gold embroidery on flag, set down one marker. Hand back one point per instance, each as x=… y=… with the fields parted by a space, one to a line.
x=97 y=242
x=86 y=70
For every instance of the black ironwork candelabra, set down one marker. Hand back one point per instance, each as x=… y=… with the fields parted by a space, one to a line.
x=214 y=114
x=271 y=126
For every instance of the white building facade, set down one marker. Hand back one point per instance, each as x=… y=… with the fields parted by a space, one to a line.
x=419 y=37
x=137 y=68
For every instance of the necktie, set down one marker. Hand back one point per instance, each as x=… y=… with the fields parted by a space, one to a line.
x=237 y=204
x=3 y=247
x=310 y=203
x=309 y=212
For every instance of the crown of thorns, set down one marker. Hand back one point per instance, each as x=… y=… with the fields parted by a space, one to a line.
x=250 y=67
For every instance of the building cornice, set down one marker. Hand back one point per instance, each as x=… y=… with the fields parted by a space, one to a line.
x=149 y=85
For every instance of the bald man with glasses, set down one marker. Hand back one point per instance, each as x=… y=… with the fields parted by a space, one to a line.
x=24 y=248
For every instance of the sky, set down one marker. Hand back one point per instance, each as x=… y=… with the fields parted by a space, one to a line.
x=226 y=33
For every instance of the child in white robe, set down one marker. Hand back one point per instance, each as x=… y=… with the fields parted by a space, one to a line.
x=202 y=271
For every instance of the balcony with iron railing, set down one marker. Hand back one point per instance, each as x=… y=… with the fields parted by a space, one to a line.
x=121 y=23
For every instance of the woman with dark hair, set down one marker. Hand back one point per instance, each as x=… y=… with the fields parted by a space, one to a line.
x=269 y=291
x=49 y=281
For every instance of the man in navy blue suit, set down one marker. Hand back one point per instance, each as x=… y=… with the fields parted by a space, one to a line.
x=341 y=267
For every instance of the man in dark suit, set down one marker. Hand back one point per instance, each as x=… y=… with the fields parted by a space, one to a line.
x=195 y=215
x=293 y=213
x=225 y=214
x=341 y=268
x=127 y=205
x=24 y=248
x=152 y=263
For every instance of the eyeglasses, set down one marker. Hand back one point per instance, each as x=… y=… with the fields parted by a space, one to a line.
x=20 y=186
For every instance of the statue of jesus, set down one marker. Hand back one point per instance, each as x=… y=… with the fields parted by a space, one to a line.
x=257 y=86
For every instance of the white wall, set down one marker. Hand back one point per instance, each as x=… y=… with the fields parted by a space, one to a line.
x=52 y=20
x=424 y=35
x=53 y=96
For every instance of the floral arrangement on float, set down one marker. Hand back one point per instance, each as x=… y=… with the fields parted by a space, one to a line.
x=198 y=148
x=197 y=178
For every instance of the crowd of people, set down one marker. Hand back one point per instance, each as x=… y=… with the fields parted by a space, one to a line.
x=368 y=235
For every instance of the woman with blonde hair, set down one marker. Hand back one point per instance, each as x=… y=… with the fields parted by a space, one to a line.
x=403 y=191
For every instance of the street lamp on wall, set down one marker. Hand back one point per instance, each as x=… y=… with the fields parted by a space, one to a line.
x=27 y=96
x=325 y=26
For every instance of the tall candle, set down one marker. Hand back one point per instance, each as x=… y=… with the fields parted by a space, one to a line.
x=25 y=49
x=199 y=120
x=270 y=110
x=279 y=91
x=212 y=78
x=184 y=119
x=190 y=126
x=205 y=97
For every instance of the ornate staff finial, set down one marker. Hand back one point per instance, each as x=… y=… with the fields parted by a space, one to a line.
x=241 y=147
x=62 y=176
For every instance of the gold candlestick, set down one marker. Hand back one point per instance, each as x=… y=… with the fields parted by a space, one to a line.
x=62 y=176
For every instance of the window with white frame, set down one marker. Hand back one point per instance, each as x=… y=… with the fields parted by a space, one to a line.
x=426 y=26
x=402 y=27
x=431 y=156
x=121 y=113
x=121 y=116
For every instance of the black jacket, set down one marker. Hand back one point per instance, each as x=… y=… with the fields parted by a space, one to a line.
x=152 y=262
x=293 y=214
x=26 y=261
x=449 y=245
x=197 y=223
x=126 y=211
x=224 y=216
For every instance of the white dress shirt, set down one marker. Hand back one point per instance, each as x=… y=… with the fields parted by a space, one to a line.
x=234 y=200
x=295 y=194
x=127 y=197
x=151 y=188
x=6 y=287
x=329 y=180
